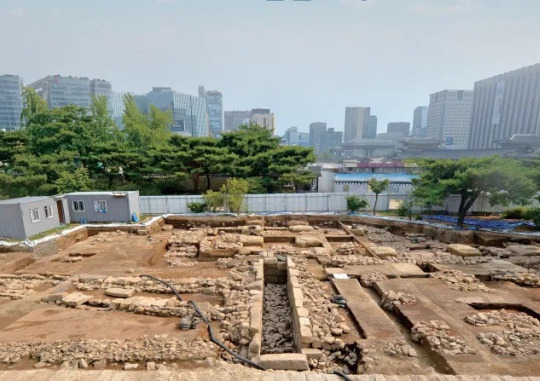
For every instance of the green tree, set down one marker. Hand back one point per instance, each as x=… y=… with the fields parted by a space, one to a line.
x=297 y=179
x=104 y=127
x=144 y=132
x=77 y=181
x=427 y=195
x=33 y=104
x=377 y=187
x=355 y=203
x=502 y=180
x=200 y=157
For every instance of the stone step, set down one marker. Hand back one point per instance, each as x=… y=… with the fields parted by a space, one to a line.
x=373 y=321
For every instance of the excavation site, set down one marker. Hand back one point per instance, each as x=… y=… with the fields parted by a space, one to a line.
x=287 y=297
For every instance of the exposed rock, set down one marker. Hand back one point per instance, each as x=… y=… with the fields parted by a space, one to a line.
x=459 y=280
x=524 y=250
x=383 y=251
x=119 y=292
x=463 y=250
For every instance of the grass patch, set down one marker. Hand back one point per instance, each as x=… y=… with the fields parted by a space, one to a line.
x=51 y=231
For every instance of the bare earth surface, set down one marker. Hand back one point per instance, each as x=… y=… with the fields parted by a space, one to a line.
x=412 y=305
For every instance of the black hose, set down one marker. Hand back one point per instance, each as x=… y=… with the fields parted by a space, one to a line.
x=342 y=375
x=210 y=330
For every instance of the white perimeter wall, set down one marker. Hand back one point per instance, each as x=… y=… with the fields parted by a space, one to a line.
x=302 y=202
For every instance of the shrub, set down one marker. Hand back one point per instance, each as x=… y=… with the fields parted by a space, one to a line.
x=518 y=213
x=231 y=194
x=534 y=214
x=235 y=190
x=214 y=200
x=197 y=207
x=355 y=203
x=405 y=209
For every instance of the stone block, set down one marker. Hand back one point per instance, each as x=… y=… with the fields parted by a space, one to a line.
x=297 y=223
x=244 y=251
x=256 y=285
x=53 y=298
x=320 y=251
x=301 y=228
x=463 y=250
x=298 y=297
x=284 y=361
x=293 y=280
x=383 y=251
x=255 y=345
x=306 y=336
x=305 y=321
x=75 y=299
x=312 y=353
x=307 y=241
x=255 y=320
x=358 y=231
x=524 y=250
x=294 y=273
x=119 y=292
x=255 y=222
x=252 y=240
x=290 y=263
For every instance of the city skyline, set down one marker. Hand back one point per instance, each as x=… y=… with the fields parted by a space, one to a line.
x=327 y=74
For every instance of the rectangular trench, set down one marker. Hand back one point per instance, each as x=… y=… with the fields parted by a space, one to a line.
x=277 y=335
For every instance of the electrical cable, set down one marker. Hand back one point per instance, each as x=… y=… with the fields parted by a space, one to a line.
x=342 y=375
x=205 y=320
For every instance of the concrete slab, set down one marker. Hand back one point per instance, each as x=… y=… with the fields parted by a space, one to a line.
x=391 y=270
x=366 y=312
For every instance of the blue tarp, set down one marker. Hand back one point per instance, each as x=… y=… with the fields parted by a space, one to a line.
x=482 y=224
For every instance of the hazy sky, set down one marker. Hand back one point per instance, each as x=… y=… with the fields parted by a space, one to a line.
x=306 y=60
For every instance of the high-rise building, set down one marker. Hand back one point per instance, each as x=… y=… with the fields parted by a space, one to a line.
x=214 y=107
x=420 y=122
x=142 y=102
x=505 y=105
x=399 y=128
x=290 y=137
x=371 y=132
x=234 y=119
x=11 y=103
x=116 y=106
x=264 y=118
x=303 y=139
x=189 y=112
x=358 y=123
x=330 y=139
x=449 y=115
x=100 y=87
x=61 y=91
x=316 y=130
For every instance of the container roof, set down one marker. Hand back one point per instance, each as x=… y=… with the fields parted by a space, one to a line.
x=99 y=193
x=24 y=200
x=365 y=177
